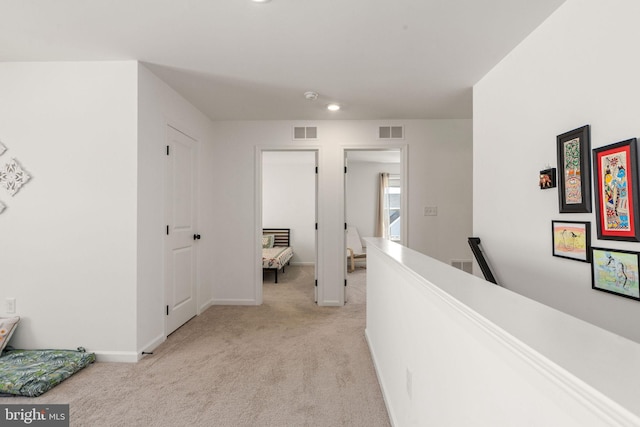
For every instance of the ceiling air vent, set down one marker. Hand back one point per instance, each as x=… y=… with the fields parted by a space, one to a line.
x=391 y=132
x=310 y=132
x=462 y=264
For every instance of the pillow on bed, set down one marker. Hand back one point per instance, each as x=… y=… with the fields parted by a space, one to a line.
x=7 y=327
x=267 y=241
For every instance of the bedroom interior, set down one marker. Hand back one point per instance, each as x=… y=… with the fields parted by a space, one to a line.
x=289 y=199
x=370 y=208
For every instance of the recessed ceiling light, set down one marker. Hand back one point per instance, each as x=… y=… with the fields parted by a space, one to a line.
x=261 y=1
x=333 y=107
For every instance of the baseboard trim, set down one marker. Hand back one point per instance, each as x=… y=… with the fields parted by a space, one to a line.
x=330 y=304
x=117 y=356
x=205 y=306
x=233 y=302
x=152 y=345
x=392 y=418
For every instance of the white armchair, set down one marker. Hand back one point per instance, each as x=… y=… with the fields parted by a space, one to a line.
x=355 y=251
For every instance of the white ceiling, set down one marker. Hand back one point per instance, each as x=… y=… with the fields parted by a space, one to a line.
x=235 y=59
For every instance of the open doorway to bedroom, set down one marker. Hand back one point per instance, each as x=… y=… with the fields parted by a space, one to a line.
x=289 y=211
x=375 y=205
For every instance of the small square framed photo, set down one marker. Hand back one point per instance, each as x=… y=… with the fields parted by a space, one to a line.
x=547 y=179
x=572 y=240
x=615 y=271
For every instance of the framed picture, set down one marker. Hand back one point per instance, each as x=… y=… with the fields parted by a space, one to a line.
x=615 y=271
x=574 y=170
x=547 y=179
x=616 y=186
x=571 y=239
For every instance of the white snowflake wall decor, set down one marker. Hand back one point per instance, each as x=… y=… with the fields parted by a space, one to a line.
x=12 y=177
x=2 y=207
x=2 y=148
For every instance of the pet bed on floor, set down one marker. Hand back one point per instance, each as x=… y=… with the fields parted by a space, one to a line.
x=33 y=372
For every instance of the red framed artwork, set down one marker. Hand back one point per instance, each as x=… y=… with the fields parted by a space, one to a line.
x=616 y=188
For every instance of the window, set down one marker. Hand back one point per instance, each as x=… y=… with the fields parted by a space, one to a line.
x=393 y=195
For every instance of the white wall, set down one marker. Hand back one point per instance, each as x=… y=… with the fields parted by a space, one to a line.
x=68 y=238
x=159 y=106
x=579 y=67
x=432 y=181
x=363 y=181
x=82 y=241
x=440 y=173
x=289 y=199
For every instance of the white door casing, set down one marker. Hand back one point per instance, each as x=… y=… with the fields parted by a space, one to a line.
x=181 y=231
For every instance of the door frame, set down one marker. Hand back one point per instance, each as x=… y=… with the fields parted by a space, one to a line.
x=259 y=149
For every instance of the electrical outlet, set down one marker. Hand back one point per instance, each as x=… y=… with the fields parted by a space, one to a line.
x=431 y=211
x=409 y=384
x=10 y=305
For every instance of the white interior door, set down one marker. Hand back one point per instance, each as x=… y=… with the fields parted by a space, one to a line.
x=181 y=238
x=315 y=273
x=344 y=243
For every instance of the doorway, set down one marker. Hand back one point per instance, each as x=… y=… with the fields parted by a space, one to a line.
x=375 y=207
x=288 y=200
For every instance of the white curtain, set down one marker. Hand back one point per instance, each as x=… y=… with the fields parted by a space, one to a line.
x=382 y=219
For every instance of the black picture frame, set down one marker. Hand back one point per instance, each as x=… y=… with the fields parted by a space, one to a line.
x=616 y=185
x=571 y=240
x=574 y=170
x=615 y=271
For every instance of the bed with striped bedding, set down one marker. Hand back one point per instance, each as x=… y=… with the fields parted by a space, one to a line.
x=276 y=249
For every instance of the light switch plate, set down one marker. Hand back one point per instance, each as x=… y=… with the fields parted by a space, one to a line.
x=10 y=305
x=431 y=211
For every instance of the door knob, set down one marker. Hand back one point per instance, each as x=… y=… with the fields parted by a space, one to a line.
x=196 y=237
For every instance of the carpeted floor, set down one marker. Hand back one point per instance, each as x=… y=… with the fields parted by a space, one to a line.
x=287 y=362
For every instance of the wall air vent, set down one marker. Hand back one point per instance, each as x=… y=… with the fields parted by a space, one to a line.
x=391 y=132
x=462 y=264
x=309 y=132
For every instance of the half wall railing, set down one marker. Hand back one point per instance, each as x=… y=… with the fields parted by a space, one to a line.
x=451 y=349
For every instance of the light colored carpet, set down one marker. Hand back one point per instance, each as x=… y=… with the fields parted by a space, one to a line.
x=287 y=362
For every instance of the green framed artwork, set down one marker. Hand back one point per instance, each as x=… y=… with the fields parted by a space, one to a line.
x=615 y=271
x=574 y=170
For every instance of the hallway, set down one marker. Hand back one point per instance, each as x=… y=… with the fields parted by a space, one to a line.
x=286 y=362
